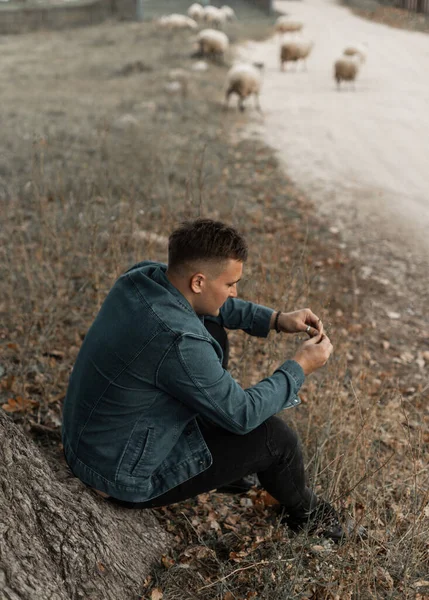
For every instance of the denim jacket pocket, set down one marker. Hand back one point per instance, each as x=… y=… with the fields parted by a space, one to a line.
x=136 y=461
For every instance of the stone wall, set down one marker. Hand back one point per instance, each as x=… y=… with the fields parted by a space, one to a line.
x=265 y=5
x=21 y=19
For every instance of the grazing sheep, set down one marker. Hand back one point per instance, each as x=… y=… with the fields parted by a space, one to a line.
x=346 y=68
x=244 y=80
x=214 y=16
x=176 y=21
x=285 y=25
x=295 y=51
x=212 y=43
x=196 y=12
x=356 y=50
x=228 y=12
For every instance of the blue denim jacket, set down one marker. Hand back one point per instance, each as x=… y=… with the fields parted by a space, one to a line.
x=146 y=369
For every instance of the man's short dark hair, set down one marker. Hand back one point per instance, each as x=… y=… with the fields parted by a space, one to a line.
x=205 y=240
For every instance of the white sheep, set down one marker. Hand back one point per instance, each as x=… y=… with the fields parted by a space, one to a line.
x=285 y=25
x=359 y=50
x=196 y=12
x=212 y=43
x=294 y=51
x=228 y=12
x=346 y=68
x=244 y=80
x=214 y=16
x=176 y=21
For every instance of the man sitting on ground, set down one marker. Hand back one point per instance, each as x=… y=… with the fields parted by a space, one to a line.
x=152 y=416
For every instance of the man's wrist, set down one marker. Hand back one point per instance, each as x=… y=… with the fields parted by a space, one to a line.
x=303 y=364
x=274 y=322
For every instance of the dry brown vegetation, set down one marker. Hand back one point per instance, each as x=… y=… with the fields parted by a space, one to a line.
x=85 y=192
x=394 y=16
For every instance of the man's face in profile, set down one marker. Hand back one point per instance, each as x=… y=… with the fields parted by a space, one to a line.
x=219 y=288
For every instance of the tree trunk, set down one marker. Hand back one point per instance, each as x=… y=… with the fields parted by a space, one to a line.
x=58 y=539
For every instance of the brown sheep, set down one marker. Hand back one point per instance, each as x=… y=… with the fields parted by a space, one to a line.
x=294 y=51
x=346 y=68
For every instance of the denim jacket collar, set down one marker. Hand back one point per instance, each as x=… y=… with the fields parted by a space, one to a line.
x=160 y=276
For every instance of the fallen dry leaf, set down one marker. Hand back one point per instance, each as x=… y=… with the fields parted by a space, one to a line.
x=55 y=354
x=421 y=583
x=19 y=404
x=406 y=357
x=167 y=561
x=393 y=315
x=263 y=498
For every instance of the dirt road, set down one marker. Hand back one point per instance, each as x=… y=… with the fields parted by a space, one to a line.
x=362 y=156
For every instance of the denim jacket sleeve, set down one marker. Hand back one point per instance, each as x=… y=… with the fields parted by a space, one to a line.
x=241 y=314
x=192 y=373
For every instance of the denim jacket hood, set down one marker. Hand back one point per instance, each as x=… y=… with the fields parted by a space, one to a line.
x=146 y=370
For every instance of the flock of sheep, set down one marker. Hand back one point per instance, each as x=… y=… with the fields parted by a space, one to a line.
x=246 y=79
x=211 y=15
x=346 y=67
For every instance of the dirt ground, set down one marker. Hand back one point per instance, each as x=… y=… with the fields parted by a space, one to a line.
x=99 y=159
x=362 y=155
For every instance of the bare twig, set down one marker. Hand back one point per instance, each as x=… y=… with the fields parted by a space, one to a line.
x=252 y=566
x=367 y=475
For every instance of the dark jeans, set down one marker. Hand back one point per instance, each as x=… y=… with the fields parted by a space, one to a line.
x=271 y=450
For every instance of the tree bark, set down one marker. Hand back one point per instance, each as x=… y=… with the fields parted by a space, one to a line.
x=58 y=539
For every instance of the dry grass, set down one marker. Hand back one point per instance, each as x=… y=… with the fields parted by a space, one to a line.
x=84 y=195
x=394 y=16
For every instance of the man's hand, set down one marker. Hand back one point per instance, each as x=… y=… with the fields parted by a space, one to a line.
x=314 y=353
x=303 y=320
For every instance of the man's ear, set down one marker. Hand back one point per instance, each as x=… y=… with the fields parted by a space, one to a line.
x=197 y=283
